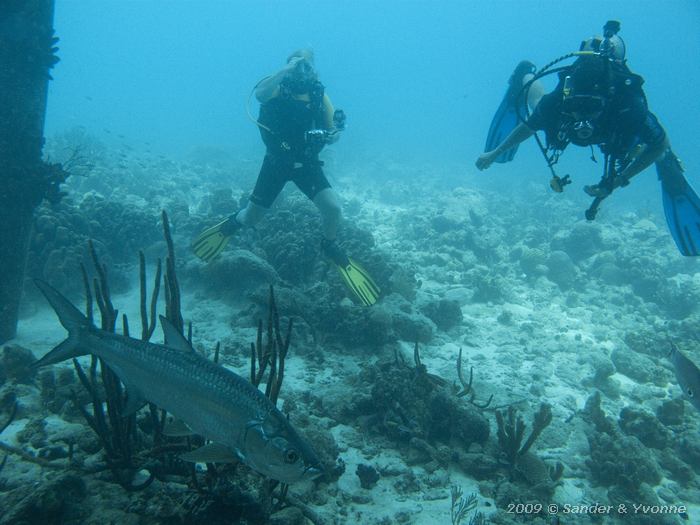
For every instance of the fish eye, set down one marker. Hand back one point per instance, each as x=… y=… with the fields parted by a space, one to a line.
x=291 y=456
x=690 y=392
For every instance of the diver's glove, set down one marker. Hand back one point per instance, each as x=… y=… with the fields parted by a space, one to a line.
x=606 y=186
x=597 y=190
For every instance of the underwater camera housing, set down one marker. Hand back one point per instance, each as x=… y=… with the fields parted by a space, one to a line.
x=320 y=137
x=316 y=137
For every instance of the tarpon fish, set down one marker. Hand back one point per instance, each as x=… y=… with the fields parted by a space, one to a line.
x=688 y=375
x=243 y=425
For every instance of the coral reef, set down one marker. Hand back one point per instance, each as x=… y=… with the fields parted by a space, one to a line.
x=511 y=431
x=461 y=506
x=445 y=313
x=621 y=460
x=135 y=450
x=645 y=427
x=119 y=230
x=638 y=367
x=555 y=305
x=15 y=365
x=368 y=475
x=623 y=463
x=561 y=269
x=582 y=241
x=419 y=410
x=523 y=464
x=59 y=501
x=234 y=273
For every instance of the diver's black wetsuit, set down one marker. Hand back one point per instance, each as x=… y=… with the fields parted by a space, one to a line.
x=625 y=122
x=285 y=120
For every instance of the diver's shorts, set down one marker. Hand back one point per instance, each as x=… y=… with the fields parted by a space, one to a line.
x=275 y=173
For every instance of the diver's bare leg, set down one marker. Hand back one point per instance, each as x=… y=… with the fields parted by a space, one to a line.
x=251 y=214
x=535 y=93
x=328 y=205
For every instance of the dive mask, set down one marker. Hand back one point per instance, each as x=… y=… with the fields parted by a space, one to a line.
x=583 y=109
x=301 y=79
x=304 y=67
x=303 y=71
x=581 y=105
x=583 y=129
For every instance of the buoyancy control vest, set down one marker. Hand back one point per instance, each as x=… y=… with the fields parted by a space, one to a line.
x=286 y=118
x=601 y=103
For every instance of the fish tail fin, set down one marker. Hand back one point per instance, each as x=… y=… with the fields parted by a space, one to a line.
x=72 y=320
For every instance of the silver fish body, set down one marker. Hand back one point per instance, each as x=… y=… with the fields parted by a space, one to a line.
x=688 y=376
x=212 y=400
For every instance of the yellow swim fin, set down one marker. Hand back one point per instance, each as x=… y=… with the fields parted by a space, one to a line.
x=212 y=241
x=360 y=283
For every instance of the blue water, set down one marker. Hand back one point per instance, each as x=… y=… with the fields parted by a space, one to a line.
x=419 y=80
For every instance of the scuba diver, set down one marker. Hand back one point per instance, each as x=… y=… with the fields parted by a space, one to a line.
x=597 y=101
x=296 y=121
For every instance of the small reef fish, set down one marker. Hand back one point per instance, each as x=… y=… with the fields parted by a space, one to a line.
x=688 y=375
x=243 y=425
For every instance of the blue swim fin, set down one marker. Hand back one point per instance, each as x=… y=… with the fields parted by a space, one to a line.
x=681 y=205
x=509 y=112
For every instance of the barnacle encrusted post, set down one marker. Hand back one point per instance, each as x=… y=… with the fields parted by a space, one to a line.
x=27 y=53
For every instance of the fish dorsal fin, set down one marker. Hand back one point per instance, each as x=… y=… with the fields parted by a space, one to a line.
x=173 y=337
x=177 y=428
x=213 y=453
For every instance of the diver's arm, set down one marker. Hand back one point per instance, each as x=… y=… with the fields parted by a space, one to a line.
x=521 y=133
x=333 y=134
x=267 y=87
x=643 y=160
